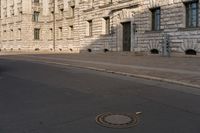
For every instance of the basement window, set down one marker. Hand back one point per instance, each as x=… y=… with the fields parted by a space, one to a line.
x=154 y=51
x=190 y=52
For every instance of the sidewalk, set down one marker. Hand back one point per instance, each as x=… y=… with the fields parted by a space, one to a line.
x=184 y=71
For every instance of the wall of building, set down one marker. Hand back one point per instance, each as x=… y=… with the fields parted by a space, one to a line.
x=172 y=23
x=72 y=28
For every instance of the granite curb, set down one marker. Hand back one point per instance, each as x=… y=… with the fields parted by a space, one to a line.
x=140 y=76
x=126 y=74
x=97 y=68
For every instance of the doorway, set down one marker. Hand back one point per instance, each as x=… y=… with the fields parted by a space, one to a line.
x=126 y=36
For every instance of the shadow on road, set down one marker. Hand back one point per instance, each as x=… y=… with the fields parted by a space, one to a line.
x=3 y=66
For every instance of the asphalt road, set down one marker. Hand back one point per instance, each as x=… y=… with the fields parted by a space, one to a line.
x=47 y=98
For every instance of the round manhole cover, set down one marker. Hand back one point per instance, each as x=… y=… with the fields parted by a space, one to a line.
x=117 y=120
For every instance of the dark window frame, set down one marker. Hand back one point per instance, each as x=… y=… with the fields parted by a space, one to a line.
x=61 y=12
x=36 y=1
x=72 y=31
x=36 y=34
x=156 y=19
x=36 y=15
x=90 y=26
x=192 y=20
x=72 y=11
x=107 y=25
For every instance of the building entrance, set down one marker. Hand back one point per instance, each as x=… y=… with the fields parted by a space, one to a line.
x=126 y=36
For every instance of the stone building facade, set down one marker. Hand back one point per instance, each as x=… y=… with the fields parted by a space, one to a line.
x=100 y=25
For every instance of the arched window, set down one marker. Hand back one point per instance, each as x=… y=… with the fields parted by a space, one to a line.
x=190 y=52
x=154 y=51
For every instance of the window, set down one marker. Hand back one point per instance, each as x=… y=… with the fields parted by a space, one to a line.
x=191 y=52
x=107 y=25
x=92 y=3
x=60 y=33
x=155 y=19
x=11 y=34
x=50 y=33
x=36 y=1
x=12 y=11
x=36 y=16
x=19 y=33
x=71 y=30
x=5 y=12
x=191 y=14
x=52 y=15
x=61 y=12
x=4 y=35
x=90 y=28
x=36 y=34
x=108 y=1
x=72 y=10
x=20 y=14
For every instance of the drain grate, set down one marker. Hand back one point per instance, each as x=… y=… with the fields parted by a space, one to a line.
x=114 y=120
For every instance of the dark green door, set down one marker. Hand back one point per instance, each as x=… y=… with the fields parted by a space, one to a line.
x=126 y=36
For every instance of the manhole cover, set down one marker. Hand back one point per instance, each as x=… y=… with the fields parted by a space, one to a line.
x=117 y=120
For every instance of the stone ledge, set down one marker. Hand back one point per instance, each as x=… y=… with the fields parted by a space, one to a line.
x=124 y=1
x=72 y=17
x=189 y=29
x=88 y=36
x=105 y=35
x=89 y=9
x=70 y=38
x=105 y=5
x=154 y=31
